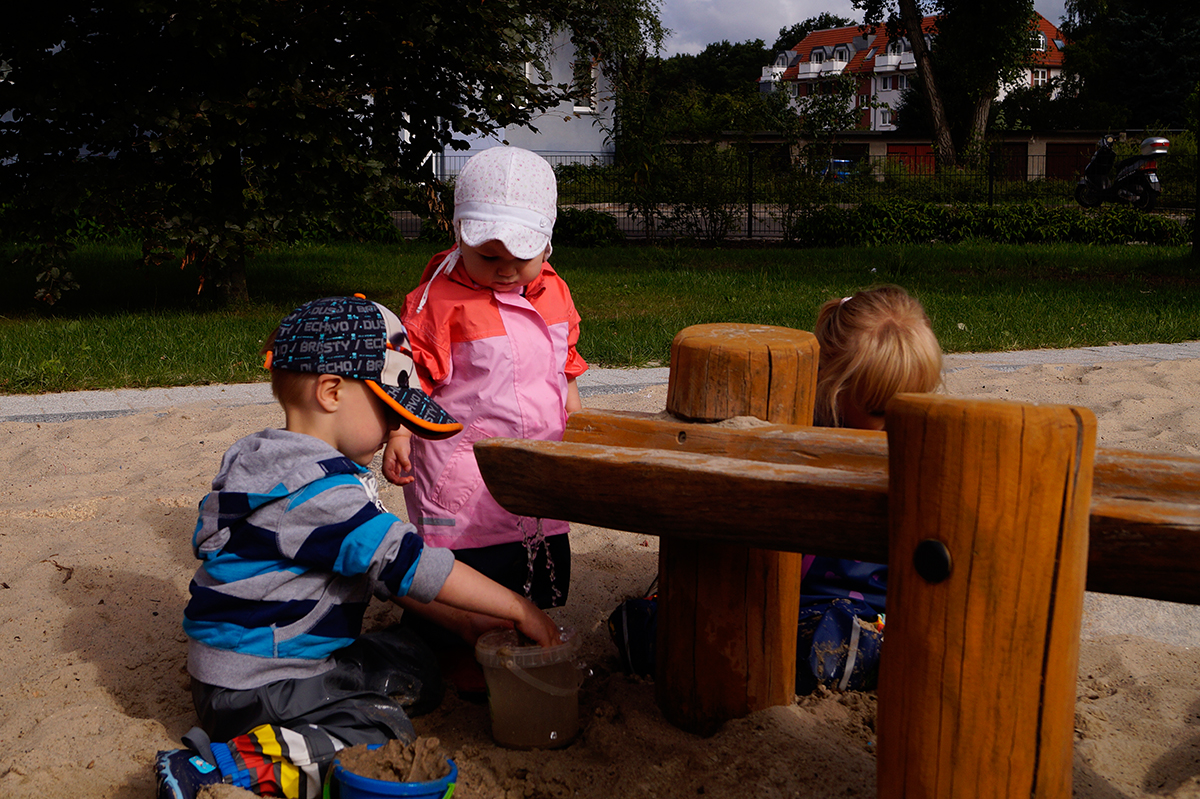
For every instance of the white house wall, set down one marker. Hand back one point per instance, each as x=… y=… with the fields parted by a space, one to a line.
x=563 y=132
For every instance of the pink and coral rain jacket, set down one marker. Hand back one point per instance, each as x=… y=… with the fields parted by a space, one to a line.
x=499 y=363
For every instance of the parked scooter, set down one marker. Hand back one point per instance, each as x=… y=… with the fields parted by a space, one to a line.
x=1133 y=180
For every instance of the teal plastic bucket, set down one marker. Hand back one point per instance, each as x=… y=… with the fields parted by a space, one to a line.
x=349 y=785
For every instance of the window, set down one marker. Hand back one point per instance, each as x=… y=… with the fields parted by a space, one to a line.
x=841 y=54
x=864 y=100
x=901 y=82
x=585 y=81
x=1039 y=42
x=1039 y=77
x=817 y=57
x=895 y=48
x=885 y=117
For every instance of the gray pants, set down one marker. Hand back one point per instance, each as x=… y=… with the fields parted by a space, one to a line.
x=366 y=698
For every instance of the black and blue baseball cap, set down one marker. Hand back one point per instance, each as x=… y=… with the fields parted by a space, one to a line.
x=354 y=337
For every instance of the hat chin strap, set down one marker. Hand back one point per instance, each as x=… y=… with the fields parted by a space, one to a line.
x=444 y=268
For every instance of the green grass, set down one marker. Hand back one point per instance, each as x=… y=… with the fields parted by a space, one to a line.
x=138 y=327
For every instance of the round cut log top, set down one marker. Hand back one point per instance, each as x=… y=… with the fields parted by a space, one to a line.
x=719 y=371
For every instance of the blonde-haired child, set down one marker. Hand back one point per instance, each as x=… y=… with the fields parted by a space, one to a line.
x=874 y=344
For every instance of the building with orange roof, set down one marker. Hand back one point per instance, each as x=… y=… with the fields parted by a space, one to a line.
x=883 y=67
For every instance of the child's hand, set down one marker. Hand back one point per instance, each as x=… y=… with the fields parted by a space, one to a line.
x=535 y=624
x=396 y=458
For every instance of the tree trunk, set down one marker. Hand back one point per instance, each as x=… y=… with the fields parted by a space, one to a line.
x=235 y=291
x=943 y=145
x=973 y=150
x=226 y=278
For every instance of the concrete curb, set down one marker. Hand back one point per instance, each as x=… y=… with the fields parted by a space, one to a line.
x=72 y=405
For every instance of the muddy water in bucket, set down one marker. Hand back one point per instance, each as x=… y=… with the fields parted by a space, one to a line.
x=533 y=691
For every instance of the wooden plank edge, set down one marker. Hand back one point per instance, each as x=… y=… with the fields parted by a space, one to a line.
x=1137 y=548
x=1117 y=473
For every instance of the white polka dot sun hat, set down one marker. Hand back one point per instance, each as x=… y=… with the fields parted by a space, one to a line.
x=506 y=194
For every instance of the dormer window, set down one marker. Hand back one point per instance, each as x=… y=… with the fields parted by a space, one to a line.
x=895 y=48
x=841 y=54
x=1039 y=42
x=817 y=57
x=782 y=60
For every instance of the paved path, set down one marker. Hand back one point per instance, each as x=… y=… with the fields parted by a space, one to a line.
x=105 y=404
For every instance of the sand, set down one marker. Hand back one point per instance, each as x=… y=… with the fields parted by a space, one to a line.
x=96 y=518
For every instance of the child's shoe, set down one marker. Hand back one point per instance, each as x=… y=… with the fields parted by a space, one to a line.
x=180 y=773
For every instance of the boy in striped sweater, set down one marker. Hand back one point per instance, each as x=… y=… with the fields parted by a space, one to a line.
x=294 y=543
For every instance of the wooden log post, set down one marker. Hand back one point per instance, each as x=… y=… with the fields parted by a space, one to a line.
x=727 y=612
x=988 y=530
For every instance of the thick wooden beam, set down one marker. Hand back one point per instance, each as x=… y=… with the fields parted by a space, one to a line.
x=1145 y=549
x=727 y=611
x=697 y=497
x=1119 y=473
x=723 y=370
x=747 y=439
x=1137 y=547
x=988 y=538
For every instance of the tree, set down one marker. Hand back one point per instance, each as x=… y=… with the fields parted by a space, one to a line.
x=957 y=75
x=829 y=110
x=906 y=21
x=1130 y=64
x=216 y=127
x=792 y=35
x=970 y=76
x=635 y=36
x=720 y=68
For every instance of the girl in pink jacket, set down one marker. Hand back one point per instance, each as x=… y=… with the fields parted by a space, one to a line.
x=493 y=333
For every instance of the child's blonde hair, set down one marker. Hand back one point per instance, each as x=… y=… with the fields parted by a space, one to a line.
x=874 y=345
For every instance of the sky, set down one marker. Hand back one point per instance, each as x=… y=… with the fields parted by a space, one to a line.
x=699 y=23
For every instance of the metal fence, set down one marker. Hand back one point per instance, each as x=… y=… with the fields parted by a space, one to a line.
x=726 y=193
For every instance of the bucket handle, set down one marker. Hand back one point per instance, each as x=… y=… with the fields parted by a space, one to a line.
x=541 y=685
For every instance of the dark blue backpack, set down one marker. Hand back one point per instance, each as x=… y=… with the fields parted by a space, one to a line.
x=633 y=628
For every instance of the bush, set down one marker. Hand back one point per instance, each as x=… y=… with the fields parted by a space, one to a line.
x=825 y=226
x=904 y=222
x=588 y=183
x=584 y=227
x=706 y=193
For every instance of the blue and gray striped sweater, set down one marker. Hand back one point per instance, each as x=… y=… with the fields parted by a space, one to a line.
x=294 y=543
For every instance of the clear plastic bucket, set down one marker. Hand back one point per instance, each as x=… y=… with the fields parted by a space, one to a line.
x=533 y=691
